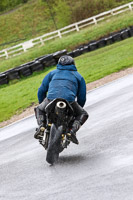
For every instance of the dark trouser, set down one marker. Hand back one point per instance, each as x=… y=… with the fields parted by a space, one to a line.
x=40 y=112
x=80 y=114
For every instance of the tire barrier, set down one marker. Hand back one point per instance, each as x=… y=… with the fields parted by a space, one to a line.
x=82 y=50
x=101 y=43
x=13 y=74
x=52 y=59
x=58 y=54
x=77 y=52
x=124 y=34
x=85 y=49
x=109 y=40
x=93 y=46
x=36 y=66
x=130 y=31
x=28 y=68
x=25 y=70
x=50 y=63
x=116 y=37
x=41 y=60
x=70 y=54
x=3 y=79
x=47 y=60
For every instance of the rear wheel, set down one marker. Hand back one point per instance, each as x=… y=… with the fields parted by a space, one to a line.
x=54 y=145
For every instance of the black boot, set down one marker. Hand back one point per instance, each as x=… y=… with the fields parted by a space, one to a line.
x=39 y=132
x=41 y=122
x=72 y=137
x=44 y=140
x=75 y=127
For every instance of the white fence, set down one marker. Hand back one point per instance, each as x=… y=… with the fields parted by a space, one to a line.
x=23 y=47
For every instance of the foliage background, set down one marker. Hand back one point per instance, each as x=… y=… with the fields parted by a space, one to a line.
x=21 y=20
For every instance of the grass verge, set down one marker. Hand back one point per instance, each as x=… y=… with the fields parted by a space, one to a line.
x=71 y=41
x=92 y=66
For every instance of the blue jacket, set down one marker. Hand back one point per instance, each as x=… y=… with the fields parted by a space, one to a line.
x=64 y=82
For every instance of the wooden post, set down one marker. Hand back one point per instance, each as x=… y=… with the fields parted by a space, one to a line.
x=59 y=34
x=95 y=21
x=130 y=7
x=6 y=54
x=112 y=12
x=77 y=28
x=42 y=42
x=24 y=48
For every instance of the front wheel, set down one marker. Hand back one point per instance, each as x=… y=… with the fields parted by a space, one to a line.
x=54 y=145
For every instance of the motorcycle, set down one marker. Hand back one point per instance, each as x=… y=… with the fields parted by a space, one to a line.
x=56 y=137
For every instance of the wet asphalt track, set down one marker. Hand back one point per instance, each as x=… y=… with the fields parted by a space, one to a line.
x=100 y=168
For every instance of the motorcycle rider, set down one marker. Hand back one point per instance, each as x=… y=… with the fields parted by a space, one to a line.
x=64 y=82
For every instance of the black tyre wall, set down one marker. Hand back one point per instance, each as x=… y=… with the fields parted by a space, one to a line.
x=101 y=43
x=13 y=74
x=130 y=30
x=36 y=66
x=71 y=54
x=125 y=34
x=109 y=40
x=3 y=79
x=93 y=46
x=58 y=54
x=77 y=53
x=116 y=37
x=25 y=70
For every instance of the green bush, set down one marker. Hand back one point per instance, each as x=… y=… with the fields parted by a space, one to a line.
x=84 y=9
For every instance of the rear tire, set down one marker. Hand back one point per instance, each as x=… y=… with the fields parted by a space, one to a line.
x=54 y=144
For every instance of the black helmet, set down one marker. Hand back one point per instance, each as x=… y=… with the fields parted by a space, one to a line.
x=66 y=60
